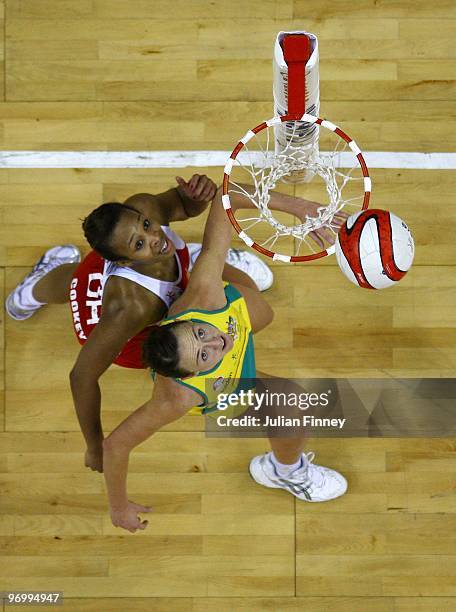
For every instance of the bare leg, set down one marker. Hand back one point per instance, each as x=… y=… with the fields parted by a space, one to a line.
x=54 y=287
x=288 y=468
x=287 y=450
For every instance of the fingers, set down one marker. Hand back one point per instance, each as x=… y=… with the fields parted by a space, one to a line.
x=138 y=525
x=133 y=525
x=200 y=187
x=212 y=190
x=322 y=235
x=317 y=239
x=94 y=467
x=193 y=181
x=339 y=218
x=183 y=186
x=129 y=519
x=140 y=508
x=209 y=191
x=327 y=235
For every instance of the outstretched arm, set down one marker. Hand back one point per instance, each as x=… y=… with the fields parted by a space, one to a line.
x=97 y=354
x=298 y=207
x=205 y=287
x=188 y=199
x=127 y=309
x=169 y=402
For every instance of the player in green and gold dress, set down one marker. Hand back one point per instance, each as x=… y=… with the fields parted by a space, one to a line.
x=207 y=337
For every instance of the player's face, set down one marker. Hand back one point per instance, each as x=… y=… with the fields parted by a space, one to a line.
x=201 y=346
x=140 y=239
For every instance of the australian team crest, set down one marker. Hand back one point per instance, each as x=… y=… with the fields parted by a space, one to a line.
x=232 y=328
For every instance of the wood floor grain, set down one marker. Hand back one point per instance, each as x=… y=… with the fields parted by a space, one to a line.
x=122 y=75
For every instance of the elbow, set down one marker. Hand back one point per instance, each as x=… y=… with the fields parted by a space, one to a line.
x=74 y=378
x=79 y=378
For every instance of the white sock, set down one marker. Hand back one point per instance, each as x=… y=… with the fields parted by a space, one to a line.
x=285 y=469
x=26 y=297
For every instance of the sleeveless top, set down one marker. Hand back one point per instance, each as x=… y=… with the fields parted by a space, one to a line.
x=167 y=291
x=235 y=371
x=86 y=294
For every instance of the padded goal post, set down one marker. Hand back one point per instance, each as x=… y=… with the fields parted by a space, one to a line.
x=286 y=148
x=296 y=90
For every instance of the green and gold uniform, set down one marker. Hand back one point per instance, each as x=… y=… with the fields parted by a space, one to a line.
x=235 y=371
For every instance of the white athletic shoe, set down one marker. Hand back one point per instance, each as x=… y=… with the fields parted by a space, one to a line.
x=247 y=262
x=312 y=483
x=53 y=258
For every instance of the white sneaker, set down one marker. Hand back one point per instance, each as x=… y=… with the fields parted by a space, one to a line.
x=53 y=258
x=312 y=483
x=247 y=262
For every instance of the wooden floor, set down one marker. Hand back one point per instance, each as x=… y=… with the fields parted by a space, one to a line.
x=139 y=75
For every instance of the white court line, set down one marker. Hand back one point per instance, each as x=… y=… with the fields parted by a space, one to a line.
x=203 y=159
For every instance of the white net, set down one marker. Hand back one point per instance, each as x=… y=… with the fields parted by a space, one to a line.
x=302 y=135
x=257 y=171
x=289 y=152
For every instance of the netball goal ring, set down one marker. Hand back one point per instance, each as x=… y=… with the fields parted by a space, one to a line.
x=291 y=161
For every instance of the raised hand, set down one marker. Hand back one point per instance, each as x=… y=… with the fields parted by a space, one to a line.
x=200 y=188
x=323 y=236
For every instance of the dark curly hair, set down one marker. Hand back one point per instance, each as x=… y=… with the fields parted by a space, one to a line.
x=160 y=351
x=99 y=225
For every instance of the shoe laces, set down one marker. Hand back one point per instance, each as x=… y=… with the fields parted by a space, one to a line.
x=311 y=474
x=238 y=254
x=39 y=264
x=51 y=263
x=36 y=272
